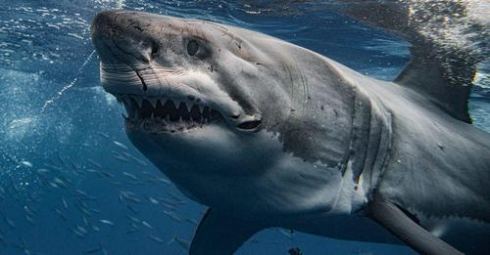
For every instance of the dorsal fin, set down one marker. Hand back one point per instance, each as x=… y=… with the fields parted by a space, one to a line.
x=441 y=73
x=446 y=80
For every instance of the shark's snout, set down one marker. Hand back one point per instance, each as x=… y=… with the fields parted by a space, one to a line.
x=102 y=22
x=123 y=23
x=121 y=35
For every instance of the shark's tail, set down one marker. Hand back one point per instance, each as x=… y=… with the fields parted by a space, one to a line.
x=448 y=39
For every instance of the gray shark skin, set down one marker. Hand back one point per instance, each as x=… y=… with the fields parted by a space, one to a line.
x=268 y=134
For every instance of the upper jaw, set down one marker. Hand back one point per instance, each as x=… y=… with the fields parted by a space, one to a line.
x=196 y=91
x=166 y=115
x=178 y=114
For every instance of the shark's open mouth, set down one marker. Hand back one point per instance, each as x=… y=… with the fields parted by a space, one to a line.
x=166 y=115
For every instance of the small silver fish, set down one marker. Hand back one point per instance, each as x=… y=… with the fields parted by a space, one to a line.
x=132 y=176
x=107 y=222
x=155 y=238
x=120 y=145
x=173 y=216
x=26 y=163
x=146 y=224
x=184 y=244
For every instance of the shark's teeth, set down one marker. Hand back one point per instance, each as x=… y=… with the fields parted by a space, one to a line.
x=153 y=102
x=176 y=102
x=188 y=104
x=155 y=115
x=139 y=101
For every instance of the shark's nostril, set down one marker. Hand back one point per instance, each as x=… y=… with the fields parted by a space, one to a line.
x=138 y=28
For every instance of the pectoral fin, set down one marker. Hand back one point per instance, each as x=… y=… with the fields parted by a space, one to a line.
x=220 y=234
x=391 y=217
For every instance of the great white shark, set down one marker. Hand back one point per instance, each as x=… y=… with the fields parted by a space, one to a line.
x=269 y=134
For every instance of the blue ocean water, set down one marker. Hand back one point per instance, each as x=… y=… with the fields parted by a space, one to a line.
x=72 y=183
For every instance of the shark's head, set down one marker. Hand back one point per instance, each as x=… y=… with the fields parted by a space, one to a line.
x=191 y=88
x=175 y=78
x=206 y=102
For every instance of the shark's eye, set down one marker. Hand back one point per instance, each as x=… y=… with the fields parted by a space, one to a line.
x=154 y=50
x=249 y=125
x=192 y=47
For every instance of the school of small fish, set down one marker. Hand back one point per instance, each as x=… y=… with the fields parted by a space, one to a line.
x=60 y=177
